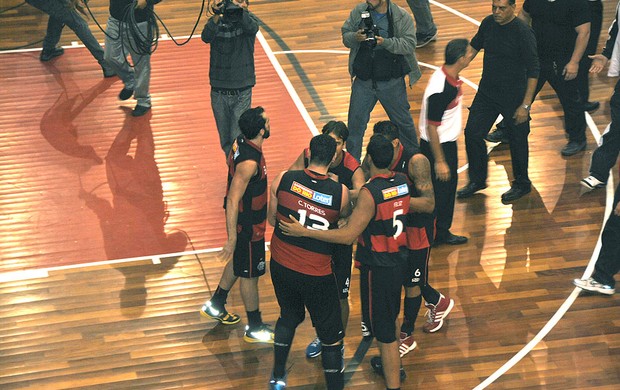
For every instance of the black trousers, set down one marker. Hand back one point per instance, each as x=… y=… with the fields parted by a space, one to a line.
x=568 y=93
x=596 y=22
x=608 y=263
x=482 y=114
x=445 y=191
x=605 y=156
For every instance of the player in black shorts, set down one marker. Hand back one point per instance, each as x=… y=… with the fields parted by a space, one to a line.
x=301 y=268
x=346 y=170
x=246 y=215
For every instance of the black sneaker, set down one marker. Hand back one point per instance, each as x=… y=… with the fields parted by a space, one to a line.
x=277 y=383
x=210 y=311
x=140 y=110
x=125 y=94
x=260 y=334
x=47 y=55
x=426 y=39
x=377 y=366
x=499 y=135
x=573 y=147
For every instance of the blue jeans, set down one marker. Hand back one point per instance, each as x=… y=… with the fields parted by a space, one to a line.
x=392 y=95
x=227 y=108
x=424 y=24
x=116 y=50
x=60 y=16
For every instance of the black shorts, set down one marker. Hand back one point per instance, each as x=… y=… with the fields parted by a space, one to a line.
x=383 y=286
x=417 y=267
x=296 y=292
x=249 y=258
x=341 y=265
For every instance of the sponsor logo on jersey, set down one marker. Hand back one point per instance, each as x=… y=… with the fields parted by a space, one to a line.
x=311 y=194
x=393 y=192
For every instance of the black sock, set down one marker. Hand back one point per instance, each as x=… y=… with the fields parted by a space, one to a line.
x=282 y=341
x=254 y=319
x=430 y=294
x=219 y=298
x=333 y=366
x=412 y=308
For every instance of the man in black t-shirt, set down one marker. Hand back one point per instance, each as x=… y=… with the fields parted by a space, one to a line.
x=562 y=29
x=509 y=76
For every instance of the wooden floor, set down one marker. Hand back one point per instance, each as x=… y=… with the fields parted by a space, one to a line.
x=134 y=324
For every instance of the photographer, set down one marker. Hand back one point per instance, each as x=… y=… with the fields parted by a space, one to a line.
x=231 y=32
x=381 y=36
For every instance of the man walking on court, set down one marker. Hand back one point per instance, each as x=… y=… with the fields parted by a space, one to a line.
x=509 y=76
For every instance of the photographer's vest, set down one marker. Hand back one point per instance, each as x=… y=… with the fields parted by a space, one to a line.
x=378 y=64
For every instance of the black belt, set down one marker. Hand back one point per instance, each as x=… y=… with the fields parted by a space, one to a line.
x=230 y=92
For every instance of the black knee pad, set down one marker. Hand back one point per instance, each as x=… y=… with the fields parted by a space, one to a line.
x=332 y=358
x=284 y=333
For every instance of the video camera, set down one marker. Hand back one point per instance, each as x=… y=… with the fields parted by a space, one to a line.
x=370 y=29
x=231 y=11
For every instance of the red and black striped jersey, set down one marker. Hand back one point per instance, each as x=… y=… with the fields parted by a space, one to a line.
x=253 y=205
x=420 y=226
x=345 y=170
x=315 y=201
x=384 y=241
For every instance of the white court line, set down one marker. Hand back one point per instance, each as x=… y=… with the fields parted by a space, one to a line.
x=287 y=83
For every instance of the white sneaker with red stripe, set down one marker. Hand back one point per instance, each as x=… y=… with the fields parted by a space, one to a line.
x=407 y=344
x=437 y=313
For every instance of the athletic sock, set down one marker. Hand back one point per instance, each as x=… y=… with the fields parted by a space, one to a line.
x=283 y=339
x=412 y=308
x=333 y=366
x=254 y=319
x=219 y=298
x=430 y=294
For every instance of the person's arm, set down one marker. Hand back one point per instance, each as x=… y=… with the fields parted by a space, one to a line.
x=345 y=203
x=529 y=53
x=210 y=29
x=361 y=216
x=404 y=40
x=298 y=165
x=419 y=170
x=583 y=34
x=442 y=170
x=525 y=16
x=243 y=174
x=436 y=105
x=357 y=182
x=366 y=167
x=599 y=61
x=523 y=111
x=272 y=208
x=249 y=25
x=473 y=53
x=351 y=33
